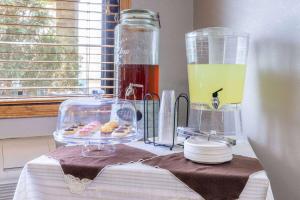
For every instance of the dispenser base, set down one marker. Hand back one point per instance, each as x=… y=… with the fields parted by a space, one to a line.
x=98 y=151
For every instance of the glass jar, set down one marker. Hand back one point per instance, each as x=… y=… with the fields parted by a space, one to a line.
x=136 y=54
x=216 y=66
x=216 y=58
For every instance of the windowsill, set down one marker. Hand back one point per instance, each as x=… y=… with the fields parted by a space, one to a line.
x=22 y=101
x=30 y=107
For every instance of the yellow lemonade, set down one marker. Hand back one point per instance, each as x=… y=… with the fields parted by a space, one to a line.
x=204 y=79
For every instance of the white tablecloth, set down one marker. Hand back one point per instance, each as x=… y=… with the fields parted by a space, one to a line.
x=43 y=179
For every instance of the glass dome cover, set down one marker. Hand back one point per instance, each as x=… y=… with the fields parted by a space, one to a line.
x=93 y=120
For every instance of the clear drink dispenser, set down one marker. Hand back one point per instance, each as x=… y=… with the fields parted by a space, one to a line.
x=137 y=59
x=216 y=59
x=136 y=54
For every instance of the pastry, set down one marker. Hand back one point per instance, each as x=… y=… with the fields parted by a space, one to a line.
x=91 y=126
x=106 y=129
x=120 y=132
x=74 y=127
x=80 y=125
x=88 y=129
x=109 y=127
x=94 y=126
x=112 y=124
x=94 y=123
x=69 y=131
x=84 y=132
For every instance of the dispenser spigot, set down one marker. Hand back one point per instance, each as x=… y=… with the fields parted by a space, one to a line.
x=130 y=90
x=215 y=99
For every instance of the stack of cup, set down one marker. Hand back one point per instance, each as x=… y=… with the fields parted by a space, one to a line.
x=166 y=118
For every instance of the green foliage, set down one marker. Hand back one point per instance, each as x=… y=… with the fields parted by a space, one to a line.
x=23 y=30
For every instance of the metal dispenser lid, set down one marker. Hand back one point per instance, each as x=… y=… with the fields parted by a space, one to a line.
x=143 y=14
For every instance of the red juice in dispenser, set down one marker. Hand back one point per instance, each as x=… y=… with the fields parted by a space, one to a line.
x=145 y=77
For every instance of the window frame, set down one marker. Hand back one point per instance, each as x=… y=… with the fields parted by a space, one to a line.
x=38 y=106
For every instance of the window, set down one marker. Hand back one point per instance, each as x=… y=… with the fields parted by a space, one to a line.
x=55 y=48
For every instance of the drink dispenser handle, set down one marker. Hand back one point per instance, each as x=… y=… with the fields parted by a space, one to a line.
x=130 y=90
x=215 y=99
x=98 y=93
x=158 y=17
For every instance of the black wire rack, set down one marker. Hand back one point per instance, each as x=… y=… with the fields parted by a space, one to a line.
x=151 y=139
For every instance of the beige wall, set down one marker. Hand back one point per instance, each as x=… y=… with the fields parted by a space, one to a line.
x=176 y=19
x=270 y=110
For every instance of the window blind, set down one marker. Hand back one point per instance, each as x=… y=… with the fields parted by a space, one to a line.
x=56 y=47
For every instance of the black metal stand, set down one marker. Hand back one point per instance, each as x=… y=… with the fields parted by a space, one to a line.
x=147 y=97
x=152 y=96
x=176 y=113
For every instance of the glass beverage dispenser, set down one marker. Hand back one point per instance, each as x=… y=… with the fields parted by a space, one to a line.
x=216 y=71
x=136 y=54
x=136 y=59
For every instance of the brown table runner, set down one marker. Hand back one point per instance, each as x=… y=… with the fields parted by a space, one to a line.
x=213 y=182
x=81 y=167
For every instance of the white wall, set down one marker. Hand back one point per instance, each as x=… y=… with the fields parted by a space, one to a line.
x=271 y=105
x=27 y=127
x=176 y=19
